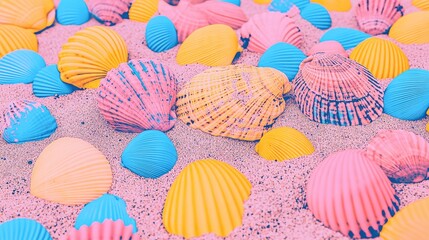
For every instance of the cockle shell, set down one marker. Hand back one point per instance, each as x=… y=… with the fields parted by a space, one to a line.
x=143 y=10
x=23 y=229
x=109 y=230
x=72 y=12
x=13 y=38
x=411 y=28
x=218 y=12
x=348 y=37
x=47 y=83
x=335 y=5
x=20 y=66
x=160 y=34
x=109 y=12
x=317 y=15
x=332 y=47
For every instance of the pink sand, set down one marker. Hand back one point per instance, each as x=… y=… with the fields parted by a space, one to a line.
x=277 y=207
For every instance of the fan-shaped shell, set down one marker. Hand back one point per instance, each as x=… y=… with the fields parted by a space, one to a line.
x=214 y=45
x=70 y=171
x=348 y=37
x=332 y=47
x=349 y=193
x=335 y=5
x=109 y=12
x=407 y=96
x=262 y=1
x=235 y=2
x=89 y=54
x=285 y=5
x=266 y=29
x=317 y=15
x=23 y=229
x=20 y=66
x=411 y=28
x=161 y=34
x=218 y=12
x=72 y=12
x=333 y=89
x=111 y=230
x=143 y=10
x=27 y=121
x=47 y=83
x=421 y=4
x=13 y=38
x=237 y=101
x=151 y=154
x=207 y=197
x=138 y=95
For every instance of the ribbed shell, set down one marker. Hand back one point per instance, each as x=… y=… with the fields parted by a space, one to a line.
x=317 y=15
x=207 y=197
x=138 y=95
x=411 y=28
x=421 y=4
x=348 y=37
x=109 y=230
x=13 y=38
x=333 y=89
x=20 y=66
x=284 y=5
x=109 y=12
x=237 y=101
x=47 y=83
x=262 y=1
x=70 y=171
x=332 y=47
x=335 y=5
x=235 y=2
x=161 y=35
x=143 y=10
x=218 y=12
x=350 y=194
x=23 y=229
x=72 y=12
x=89 y=54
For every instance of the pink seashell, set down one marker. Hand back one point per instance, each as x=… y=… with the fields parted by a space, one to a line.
x=403 y=155
x=111 y=230
x=109 y=12
x=333 y=47
x=349 y=193
x=266 y=29
x=223 y=13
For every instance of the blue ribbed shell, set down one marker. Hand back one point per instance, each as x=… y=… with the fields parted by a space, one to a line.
x=348 y=37
x=317 y=15
x=284 y=5
x=72 y=12
x=23 y=229
x=161 y=34
x=48 y=83
x=20 y=66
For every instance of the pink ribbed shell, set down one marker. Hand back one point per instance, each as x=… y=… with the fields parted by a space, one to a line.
x=108 y=230
x=109 y=11
x=226 y=13
x=328 y=47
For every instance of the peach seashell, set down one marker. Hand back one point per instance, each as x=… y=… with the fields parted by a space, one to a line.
x=109 y=12
x=411 y=28
x=350 y=194
x=333 y=47
x=109 y=230
x=143 y=10
x=223 y=13
x=13 y=38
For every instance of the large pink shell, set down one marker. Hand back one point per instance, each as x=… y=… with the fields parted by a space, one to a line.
x=328 y=47
x=266 y=29
x=351 y=194
x=403 y=155
x=226 y=13
x=109 y=11
x=109 y=230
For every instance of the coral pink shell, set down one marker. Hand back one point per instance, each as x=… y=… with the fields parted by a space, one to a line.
x=109 y=11
x=223 y=13
x=108 y=230
x=328 y=47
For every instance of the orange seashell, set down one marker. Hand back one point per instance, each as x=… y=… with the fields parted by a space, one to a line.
x=421 y=4
x=333 y=47
x=13 y=38
x=109 y=12
x=109 y=230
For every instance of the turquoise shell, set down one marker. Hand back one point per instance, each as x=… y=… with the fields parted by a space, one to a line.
x=284 y=5
x=317 y=15
x=161 y=34
x=48 y=83
x=348 y=37
x=20 y=66
x=23 y=229
x=72 y=12
x=235 y=2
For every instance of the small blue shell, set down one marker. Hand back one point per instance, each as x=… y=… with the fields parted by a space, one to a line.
x=407 y=96
x=107 y=206
x=283 y=57
x=72 y=12
x=48 y=83
x=284 y=5
x=161 y=34
x=317 y=15
x=20 y=66
x=348 y=37
x=151 y=154
x=235 y=2
x=23 y=229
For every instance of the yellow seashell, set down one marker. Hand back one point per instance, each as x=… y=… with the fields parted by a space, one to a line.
x=213 y=45
x=206 y=197
x=143 y=10
x=284 y=143
x=335 y=5
x=421 y=4
x=411 y=28
x=262 y=1
x=383 y=58
x=13 y=38
x=89 y=54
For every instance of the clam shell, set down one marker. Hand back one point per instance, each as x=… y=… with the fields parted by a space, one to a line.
x=223 y=13
x=109 y=12
x=348 y=37
x=20 y=66
x=317 y=15
x=235 y=2
x=411 y=28
x=47 y=83
x=236 y=101
x=70 y=171
x=421 y=4
x=332 y=47
x=72 y=12
x=89 y=54
x=335 y=5
x=206 y=197
x=23 y=229
x=109 y=230
x=13 y=38
x=143 y=10
x=350 y=194
x=161 y=35
x=138 y=95
x=333 y=89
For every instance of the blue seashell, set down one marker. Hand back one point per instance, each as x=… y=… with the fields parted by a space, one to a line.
x=407 y=96
x=161 y=34
x=284 y=5
x=72 y=12
x=48 y=83
x=348 y=37
x=151 y=154
x=20 y=66
x=235 y=2
x=317 y=15
x=23 y=229
x=283 y=57
x=27 y=121
x=107 y=206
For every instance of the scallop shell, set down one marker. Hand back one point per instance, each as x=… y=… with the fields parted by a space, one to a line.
x=283 y=57
x=47 y=83
x=206 y=197
x=411 y=28
x=407 y=96
x=348 y=37
x=26 y=121
x=138 y=95
x=143 y=10
x=236 y=101
x=350 y=194
x=150 y=154
x=421 y=4
x=89 y=54
x=332 y=47
x=109 y=12
x=262 y=1
x=285 y=5
x=20 y=66
x=70 y=171
x=109 y=230
x=161 y=35
x=72 y=12
x=332 y=89
x=266 y=29
x=13 y=38
x=317 y=15
x=23 y=229
x=218 y=12
x=335 y=5
x=214 y=45
x=235 y=2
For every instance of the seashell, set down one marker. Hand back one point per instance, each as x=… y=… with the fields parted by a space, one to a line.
x=411 y=28
x=332 y=47
x=348 y=37
x=407 y=96
x=317 y=15
x=285 y=5
x=13 y=38
x=214 y=45
x=72 y=12
x=284 y=57
x=20 y=66
x=383 y=58
x=284 y=143
x=47 y=83
x=143 y=10
x=109 y=12
x=350 y=194
x=262 y=1
x=335 y=5
x=107 y=206
x=218 y=12
x=89 y=54
x=109 y=229
x=236 y=101
x=161 y=35
x=266 y=29
x=26 y=121
x=376 y=17
x=235 y=2
x=23 y=229
x=172 y=2
x=151 y=154
x=206 y=197
x=421 y=4
x=70 y=171
x=138 y=95
x=332 y=89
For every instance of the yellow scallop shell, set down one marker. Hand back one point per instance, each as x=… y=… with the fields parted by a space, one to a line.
x=143 y=10
x=411 y=28
x=383 y=58
x=13 y=38
x=421 y=4
x=89 y=54
x=213 y=45
x=262 y=1
x=335 y=5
